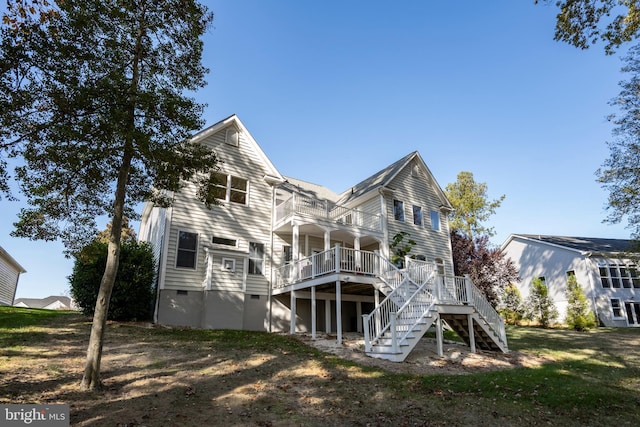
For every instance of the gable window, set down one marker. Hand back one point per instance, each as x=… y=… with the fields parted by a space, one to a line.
x=224 y=241
x=398 y=210
x=187 y=249
x=616 y=307
x=256 y=258
x=417 y=215
x=435 y=220
x=230 y=188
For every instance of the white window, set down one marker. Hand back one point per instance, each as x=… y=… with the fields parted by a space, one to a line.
x=435 y=220
x=232 y=136
x=223 y=241
x=398 y=210
x=417 y=215
x=256 y=258
x=616 y=307
x=228 y=264
x=187 y=249
x=230 y=188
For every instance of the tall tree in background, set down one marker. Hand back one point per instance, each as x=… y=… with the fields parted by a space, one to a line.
x=472 y=205
x=620 y=173
x=583 y=23
x=91 y=100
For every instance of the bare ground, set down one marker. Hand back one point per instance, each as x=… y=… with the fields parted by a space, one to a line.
x=155 y=382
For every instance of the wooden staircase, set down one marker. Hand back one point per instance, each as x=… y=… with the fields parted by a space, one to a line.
x=483 y=337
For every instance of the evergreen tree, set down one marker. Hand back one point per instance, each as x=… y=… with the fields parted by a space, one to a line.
x=579 y=315
x=539 y=306
x=512 y=309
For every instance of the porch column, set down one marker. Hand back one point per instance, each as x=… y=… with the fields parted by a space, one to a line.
x=439 y=336
x=292 y=327
x=338 y=312
x=327 y=240
x=358 y=258
x=313 y=312
x=327 y=316
x=295 y=255
x=472 y=337
x=359 y=317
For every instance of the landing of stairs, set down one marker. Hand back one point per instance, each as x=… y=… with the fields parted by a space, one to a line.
x=423 y=359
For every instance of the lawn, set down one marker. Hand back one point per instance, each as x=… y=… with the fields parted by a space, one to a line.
x=157 y=376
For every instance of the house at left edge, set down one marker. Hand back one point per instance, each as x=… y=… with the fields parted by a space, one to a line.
x=10 y=271
x=281 y=254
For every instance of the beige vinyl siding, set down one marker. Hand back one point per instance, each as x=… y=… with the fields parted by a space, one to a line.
x=246 y=223
x=420 y=191
x=8 y=282
x=152 y=231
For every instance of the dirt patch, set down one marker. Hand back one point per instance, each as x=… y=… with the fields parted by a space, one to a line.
x=423 y=359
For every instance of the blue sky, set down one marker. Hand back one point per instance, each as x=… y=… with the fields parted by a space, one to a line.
x=334 y=91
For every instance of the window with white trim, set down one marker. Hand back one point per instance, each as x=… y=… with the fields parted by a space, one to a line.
x=256 y=258
x=417 y=215
x=231 y=136
x=223 y=241
x=187 y=253
x=398 y=210
x=435 y=220
x=228 y=264
x=228 y=188
x=616 y=308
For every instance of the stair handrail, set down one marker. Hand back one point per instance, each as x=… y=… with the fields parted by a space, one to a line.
x=383 y=318
x=486 y=311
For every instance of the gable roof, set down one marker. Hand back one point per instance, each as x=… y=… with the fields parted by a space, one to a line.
x=382 y=178
x=273 y=173
x=581 y=244
x=5 y=255
x=315 y=191
x=43 y=302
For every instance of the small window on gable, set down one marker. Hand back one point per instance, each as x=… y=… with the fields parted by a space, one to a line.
x=415 y=172
x=231 y=136
x=435 y=220
x=187 y=249
x=398 y=210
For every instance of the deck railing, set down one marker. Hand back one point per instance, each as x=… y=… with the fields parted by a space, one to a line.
x=323 y=209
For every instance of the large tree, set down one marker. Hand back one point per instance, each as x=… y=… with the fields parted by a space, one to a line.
x=471 y=205
x=92 y=100
x=583 y=23
x=620 y=173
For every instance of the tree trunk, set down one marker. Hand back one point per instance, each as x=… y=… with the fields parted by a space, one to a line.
x=91 y=378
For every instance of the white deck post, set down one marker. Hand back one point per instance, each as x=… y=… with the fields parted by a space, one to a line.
x=376 y=300
x=292 y=328
x=467 y=284
x=439 y=336
x=313 y=312
x=327 y=316
x=296 y=252
x=358 y=257
x=338 y=312
x=472 y=337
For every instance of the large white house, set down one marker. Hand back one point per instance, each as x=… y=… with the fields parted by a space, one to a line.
x=282 y=254
x=10 y=271
x=604 y=268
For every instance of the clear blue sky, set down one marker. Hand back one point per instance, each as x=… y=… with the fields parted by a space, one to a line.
x=334 y=91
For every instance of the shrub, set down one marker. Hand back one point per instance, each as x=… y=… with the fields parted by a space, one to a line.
x=133 y=294
x=539 y=306
x=512 y=309
x=579 y=315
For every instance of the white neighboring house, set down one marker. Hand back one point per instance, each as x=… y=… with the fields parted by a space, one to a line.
x=604 y=268
x=52 y=302
x=10 y=272
x=281 y=254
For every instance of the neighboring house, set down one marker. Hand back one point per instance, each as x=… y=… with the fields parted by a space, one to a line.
x=10 y=272
x=50 y=303
x=604 y=268
x=280 y=253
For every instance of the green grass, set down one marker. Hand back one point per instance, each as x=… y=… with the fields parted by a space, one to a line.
x=591 y=378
